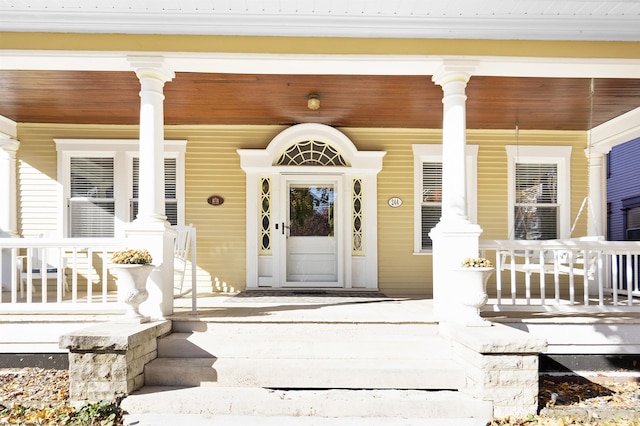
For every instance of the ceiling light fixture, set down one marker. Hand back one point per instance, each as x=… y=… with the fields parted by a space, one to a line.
x=313 y=102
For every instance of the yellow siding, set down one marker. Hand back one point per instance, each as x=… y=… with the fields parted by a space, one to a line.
x=213 y=167
x=316 y=45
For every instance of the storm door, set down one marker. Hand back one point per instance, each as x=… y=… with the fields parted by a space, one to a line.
x=311 y=230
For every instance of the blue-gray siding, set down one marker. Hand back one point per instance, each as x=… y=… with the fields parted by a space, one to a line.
x=623 y=182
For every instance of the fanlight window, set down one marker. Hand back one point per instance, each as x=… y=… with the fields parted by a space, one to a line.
x=311 y=153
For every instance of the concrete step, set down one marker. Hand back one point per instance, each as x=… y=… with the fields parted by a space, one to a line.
x=320 y=373
x=363 y=341
x=307 y=355
x=263 y=404
x=150 y=419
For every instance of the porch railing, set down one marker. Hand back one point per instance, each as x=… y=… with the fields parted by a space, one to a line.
x=57 y=274
x=568 y=272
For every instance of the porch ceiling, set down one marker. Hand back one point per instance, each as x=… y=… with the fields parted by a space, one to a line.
x=101 y=97
x=404 y=101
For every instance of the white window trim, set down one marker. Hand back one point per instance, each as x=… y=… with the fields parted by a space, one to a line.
x=123 y=151
x=425 y=153
x=558 y=155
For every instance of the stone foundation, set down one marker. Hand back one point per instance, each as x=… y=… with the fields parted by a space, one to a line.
x=106 y=361
x=501 y=365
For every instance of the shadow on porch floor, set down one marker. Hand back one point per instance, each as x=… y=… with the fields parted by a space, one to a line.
x=331 y=307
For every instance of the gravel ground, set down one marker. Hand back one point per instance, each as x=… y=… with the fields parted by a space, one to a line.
x=581 y=399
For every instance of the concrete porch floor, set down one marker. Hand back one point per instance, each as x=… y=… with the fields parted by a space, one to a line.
x=306 y=306
x=375 y=307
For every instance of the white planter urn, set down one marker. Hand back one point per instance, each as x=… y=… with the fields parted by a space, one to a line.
x=132 y=289
x=473 y=294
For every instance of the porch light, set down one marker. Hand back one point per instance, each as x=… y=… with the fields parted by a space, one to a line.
x=313 y=102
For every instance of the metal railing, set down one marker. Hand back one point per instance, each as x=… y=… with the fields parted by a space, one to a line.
x=568 y=272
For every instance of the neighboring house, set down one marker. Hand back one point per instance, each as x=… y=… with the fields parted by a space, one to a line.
x=623 y=192
x=221 y=112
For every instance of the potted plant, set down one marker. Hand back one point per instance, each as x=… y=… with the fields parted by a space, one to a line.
x=132 y=267
x=476 y=273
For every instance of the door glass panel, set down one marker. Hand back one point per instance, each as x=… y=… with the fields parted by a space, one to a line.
x=311 y=246
x=311 y=211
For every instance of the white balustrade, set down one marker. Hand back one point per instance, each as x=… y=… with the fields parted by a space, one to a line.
x=572 y=272
x=57 y=274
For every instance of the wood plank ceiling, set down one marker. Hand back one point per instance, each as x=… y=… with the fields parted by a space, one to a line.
x=346 y=101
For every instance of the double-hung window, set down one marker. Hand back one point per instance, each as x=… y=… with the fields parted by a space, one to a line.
x=539 y=196
x=631 y=218
x=100 y=185
x=427 y=166
x=170 y=189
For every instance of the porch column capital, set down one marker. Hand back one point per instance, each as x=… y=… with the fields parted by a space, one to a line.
x=454 y=72
x=151 y=66
x=9 y=146
x=599 y=152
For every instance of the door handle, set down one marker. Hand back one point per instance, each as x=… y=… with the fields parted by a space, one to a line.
x=284 y=226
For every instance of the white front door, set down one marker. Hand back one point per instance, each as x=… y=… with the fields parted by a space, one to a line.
x=311 y=252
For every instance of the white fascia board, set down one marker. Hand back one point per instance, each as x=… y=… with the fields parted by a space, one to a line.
x=257 y=63
x=619 y=130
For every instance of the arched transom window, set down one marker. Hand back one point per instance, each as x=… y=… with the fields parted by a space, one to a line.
x=311 y=153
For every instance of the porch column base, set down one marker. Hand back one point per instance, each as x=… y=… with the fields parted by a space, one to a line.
x=158 y=238
x=453 y=241
x=501 y=364
x=106 y=361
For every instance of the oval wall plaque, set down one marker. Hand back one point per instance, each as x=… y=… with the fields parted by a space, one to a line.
x=215 y=200
x=395 y=202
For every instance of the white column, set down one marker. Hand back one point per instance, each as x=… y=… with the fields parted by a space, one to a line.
x=454 y=237
x=150 y=229
x=454 y=139
x=8 y=176
x=152 y=74
x=597 y=194
x=8 y=188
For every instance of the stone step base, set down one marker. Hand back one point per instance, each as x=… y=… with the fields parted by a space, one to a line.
x=306 y=373
x=333 y=403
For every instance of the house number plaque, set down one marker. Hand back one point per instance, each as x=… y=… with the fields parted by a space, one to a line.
x=395 y=202
x=215 y=200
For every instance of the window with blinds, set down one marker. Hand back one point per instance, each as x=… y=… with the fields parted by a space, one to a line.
x=431 y=200
x=91 y=202
x=633 y=224
x=170 y=190
x=536 y=208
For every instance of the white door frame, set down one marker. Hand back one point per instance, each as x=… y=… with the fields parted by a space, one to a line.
x=360 y=264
